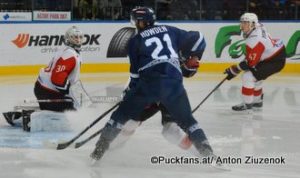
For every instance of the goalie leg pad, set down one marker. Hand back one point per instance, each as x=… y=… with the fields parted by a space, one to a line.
x=49 y=121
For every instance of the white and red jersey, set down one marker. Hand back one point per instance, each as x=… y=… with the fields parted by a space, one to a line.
x=260 y=46
x=63 y=69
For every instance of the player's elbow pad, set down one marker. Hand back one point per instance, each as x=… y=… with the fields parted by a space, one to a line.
x=194 y=46
x=199 y=50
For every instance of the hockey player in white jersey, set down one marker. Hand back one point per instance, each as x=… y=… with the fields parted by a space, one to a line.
x=63 y=71
x=265 y=56
x=53 y=83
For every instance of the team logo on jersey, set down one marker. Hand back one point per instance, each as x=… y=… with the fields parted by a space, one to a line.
x=21 y=40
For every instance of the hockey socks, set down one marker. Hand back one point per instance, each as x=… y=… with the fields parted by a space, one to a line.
x=109 y=133
x=200 y=141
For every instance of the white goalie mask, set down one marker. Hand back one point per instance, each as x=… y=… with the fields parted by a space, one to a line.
x=74 y=38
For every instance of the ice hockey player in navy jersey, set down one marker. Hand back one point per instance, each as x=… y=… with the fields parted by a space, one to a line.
x=156 y=77
x=265 y=56
x=171 y=131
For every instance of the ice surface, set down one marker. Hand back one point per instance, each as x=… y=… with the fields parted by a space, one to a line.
x=272 y=133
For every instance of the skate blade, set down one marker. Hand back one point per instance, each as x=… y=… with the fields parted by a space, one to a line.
x=256 y=109
x=220 y=167
x=93 y=162
x=245 y=112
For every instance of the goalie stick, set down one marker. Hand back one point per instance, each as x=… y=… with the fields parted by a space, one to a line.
x=64 y=145
x=79 y=144
x=47 y=100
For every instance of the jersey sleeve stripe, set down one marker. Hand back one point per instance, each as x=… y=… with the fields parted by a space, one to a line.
x=198 y=42
x=132 y=75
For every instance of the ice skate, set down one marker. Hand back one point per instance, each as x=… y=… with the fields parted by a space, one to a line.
x=204 y=149
x=218 y=165
x=101 y=146
x=257 y=105
x=242 y=107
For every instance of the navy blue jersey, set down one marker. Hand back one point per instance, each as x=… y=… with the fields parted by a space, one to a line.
x=157 y=50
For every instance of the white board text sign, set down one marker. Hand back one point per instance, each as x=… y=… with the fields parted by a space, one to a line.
x=51 y=16
x=15 y=16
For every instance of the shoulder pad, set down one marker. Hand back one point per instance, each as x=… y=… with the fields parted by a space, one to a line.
x=68 y=53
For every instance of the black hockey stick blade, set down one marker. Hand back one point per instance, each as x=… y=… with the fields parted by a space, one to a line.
x=64 y=145
x=79 y=144
x=209 y=94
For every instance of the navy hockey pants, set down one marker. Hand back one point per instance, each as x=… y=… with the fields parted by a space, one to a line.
x=170 y=92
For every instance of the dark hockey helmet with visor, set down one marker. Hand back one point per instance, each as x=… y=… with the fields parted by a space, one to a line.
x=144 y=14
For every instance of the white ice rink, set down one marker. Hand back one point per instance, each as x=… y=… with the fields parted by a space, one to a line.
x=270 y=133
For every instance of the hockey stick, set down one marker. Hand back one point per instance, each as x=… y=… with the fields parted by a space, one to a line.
x=28 y=103
x=79 y=144
x=197 y=107
x=64 y=145
x=47 y=100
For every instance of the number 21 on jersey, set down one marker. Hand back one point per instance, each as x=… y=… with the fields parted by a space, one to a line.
x=159 y=47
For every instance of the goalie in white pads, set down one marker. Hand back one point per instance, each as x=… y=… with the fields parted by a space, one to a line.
x=53 y=84
x=265 y=56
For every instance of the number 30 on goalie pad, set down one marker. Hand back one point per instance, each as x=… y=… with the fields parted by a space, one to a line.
x=49 y=121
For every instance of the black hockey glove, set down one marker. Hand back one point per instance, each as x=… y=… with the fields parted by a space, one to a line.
x=186 y=72
x=243 y=65
x=232 y=72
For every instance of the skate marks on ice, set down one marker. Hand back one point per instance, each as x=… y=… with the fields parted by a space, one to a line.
x=13 y=137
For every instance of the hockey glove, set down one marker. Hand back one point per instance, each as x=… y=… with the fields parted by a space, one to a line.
x=243 y=65
x=124 y=92
x=186 y=72
x=190 y=66
x=232 y=72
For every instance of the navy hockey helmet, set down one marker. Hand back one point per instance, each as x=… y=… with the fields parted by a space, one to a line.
x=144 y=14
